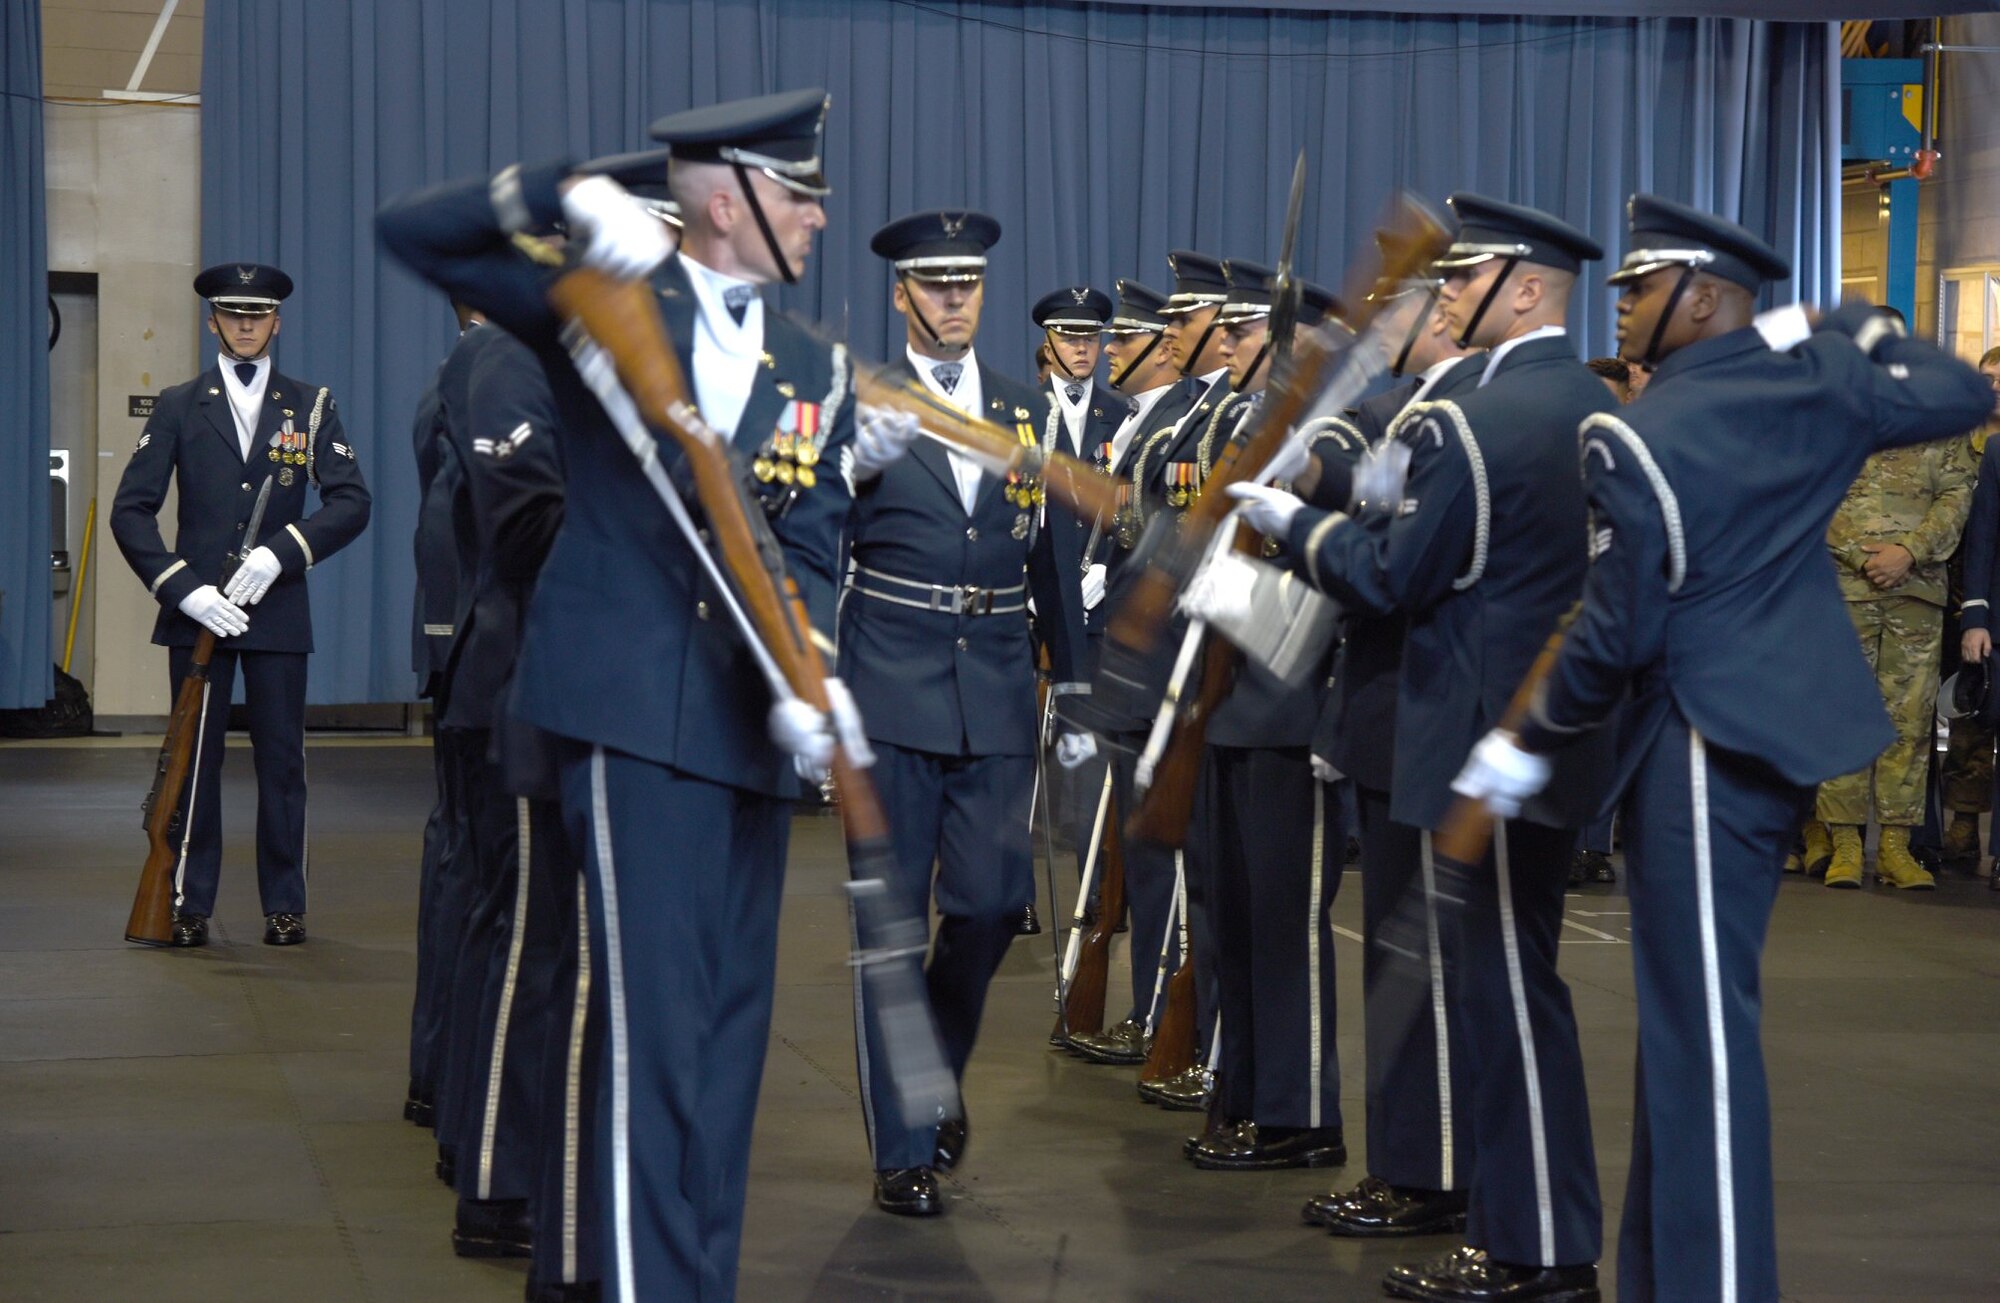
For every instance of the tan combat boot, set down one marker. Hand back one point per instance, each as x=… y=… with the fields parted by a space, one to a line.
x=1895 y=865
x=1819 y=847
x=1844 y=870
x=1961 y=838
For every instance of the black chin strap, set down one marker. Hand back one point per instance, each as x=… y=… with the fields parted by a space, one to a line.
x=1055 y=354
x=1651 y=355
x=764 y=225
x=917 y=314
x=222 y=341
x=1250 y=376
x=1492 y=292
x=1416 y=330
x=1118 y=381
x=1201 y=345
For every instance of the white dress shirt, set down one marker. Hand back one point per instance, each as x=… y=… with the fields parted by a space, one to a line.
x=967 y=396
x=1501 y=350
x=1432 y=374
x=1072 y=413
x=246 y=402
x=1135 y=421
x=726 y=355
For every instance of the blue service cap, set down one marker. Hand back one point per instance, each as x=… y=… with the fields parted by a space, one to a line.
x=1139 y=308
x=1669 y=234
x=248 y=289
x=644 y=175
x=779 y=135
x=1074 y=310
x=1251 y=285
x=938 y=246
x=1492 y=228
x=1199 y=282
x=1319 y=306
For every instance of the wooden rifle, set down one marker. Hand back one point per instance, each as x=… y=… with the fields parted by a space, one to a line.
x=1303 y=380
x=621 y=318
x=1083 y=1001
x=1174 y=1043
x=1069 y=482
x=151 y=922
x=1468 y=825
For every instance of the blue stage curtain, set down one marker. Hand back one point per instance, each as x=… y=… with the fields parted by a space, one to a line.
x=1100 y=136
x=25 y=679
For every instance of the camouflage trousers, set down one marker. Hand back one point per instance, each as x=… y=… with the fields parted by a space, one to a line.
x=1901 y=637
x=1968 y=767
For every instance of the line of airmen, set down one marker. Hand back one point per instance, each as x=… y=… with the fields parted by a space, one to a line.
x=603 y=946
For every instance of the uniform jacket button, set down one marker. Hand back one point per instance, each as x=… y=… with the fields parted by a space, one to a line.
x=246 y=488
x=972 y=532
x=964 y=643
x=701 y=610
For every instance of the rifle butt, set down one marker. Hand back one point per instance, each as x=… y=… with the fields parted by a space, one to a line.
x=1083 y=1007
x=1173 y=1048
x=151 y=922
x=152 y=919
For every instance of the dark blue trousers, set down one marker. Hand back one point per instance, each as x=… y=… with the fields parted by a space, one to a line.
x=447 y=920
x=1533 y=1192
x=966 y=818
x=502 y=984
x=427 y=1009
x=1273 y=841
x=685 y=878
x=1706 y=835
x=1151 y=883
x=274 y=693
x=1418 y=1095
x=568 y=1225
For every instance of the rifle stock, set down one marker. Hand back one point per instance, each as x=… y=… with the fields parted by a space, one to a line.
x=1468 y=827
x=1173 y=1048
x=152 y=919
x=1083 y=1006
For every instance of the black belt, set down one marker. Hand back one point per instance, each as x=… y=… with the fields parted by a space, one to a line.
x=947 y=599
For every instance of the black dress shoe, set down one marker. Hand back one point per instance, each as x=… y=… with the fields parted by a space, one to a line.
x=1593 y=866
x=1270 y=1149
x=555 y=1291
x=283 y=929
x=493 y=1228
x=1124 y=1043
x=418 y=1107
x=447 y=1166
x=1467 y=1275
x=951 y=1136
x=190 y=930
x=1184 y=1092
x=1030 y=924
x=1231 y=1128
x=908 y=1192
x=1375 y=1209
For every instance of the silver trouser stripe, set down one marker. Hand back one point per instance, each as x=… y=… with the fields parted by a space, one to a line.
x=164 y=576
x=1517 y=988
x=1711 y=985
x=504 y=1016
x=621 y=1062
x=573 y=1084
x=194 y=790
x=1440 y=1026
x=1312 y=955
x=861 y=1064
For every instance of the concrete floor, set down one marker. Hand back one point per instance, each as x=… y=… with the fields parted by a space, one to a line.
x=224 y=1124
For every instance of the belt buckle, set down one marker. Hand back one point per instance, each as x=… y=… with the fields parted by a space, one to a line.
x=968 y=600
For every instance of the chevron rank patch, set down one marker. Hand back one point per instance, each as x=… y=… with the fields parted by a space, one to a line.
x=344 y=451
x=144 y=439
x=502 y=448
x=1600 y=541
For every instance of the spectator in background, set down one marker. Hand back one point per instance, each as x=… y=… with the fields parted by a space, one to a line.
x=1044 y=364
x=1968 y=765
x=1890 y=541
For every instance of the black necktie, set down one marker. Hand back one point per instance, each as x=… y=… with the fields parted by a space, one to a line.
x=947 y=374
x=737 y=299
x=1075 y=392
x=247 y=373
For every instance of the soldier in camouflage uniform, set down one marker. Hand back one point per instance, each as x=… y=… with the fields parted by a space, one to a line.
x=1890 y=540
x=1968 y=760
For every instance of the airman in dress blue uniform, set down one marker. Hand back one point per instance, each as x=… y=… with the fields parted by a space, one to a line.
x=1709 y=498
x=1084 y=410
x=680 y=796
x=1419 y=1143
x=219 y=438
x=1143 y=373
x=936 y=643
x=1261 y=829
x=1485 y=554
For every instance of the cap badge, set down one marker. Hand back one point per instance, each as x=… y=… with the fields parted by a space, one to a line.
x=952 y=225
x=246 y=274
x=1080 y=295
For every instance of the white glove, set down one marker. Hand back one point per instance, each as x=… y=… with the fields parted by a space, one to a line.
x=1093 y=586
x=1324 y=771
x=1380 y=475
x=847 y=724
x=253 y=578
x=1072 y=749
x=617 y=235
x=810 y=736
x=1501 y=774
x=214 y=612
x=1220 y=591
x=881 y=435
x=1265 y=509
x=1290 y=459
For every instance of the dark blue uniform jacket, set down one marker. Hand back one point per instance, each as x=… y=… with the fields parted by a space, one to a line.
x=627 y=643
x=190 y=440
